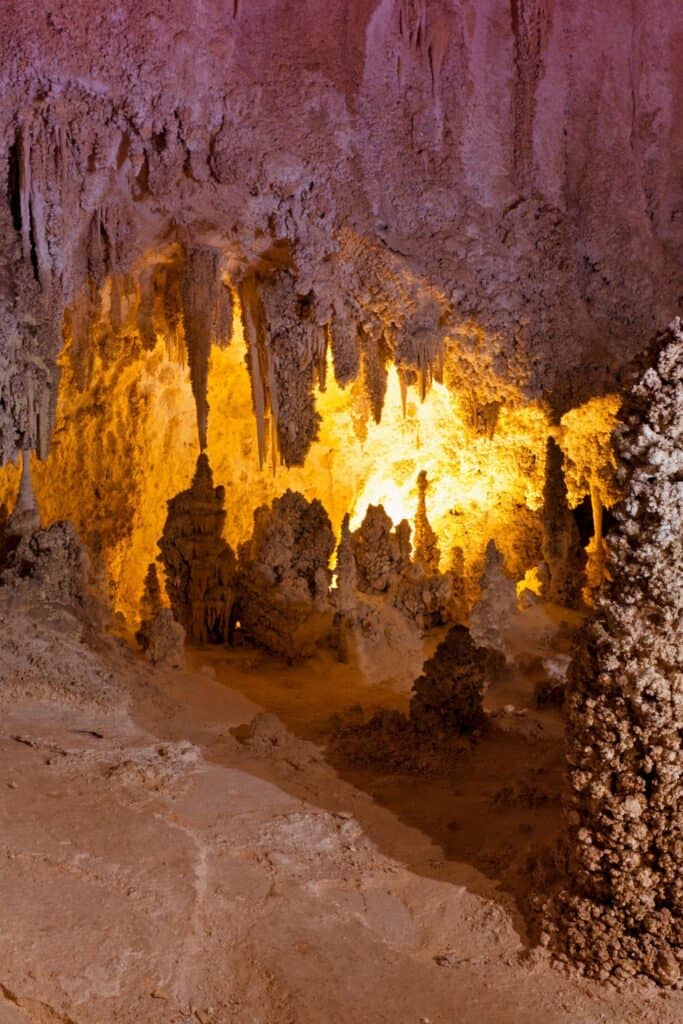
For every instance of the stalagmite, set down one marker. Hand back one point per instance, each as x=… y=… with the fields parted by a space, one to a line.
x=283 y=602
x=622 y=911
x=562 y=552
x=346 y=570
x=427 y=553
x=448 y=696
x=382 y=552
x=446 y=704
x=199 y=566
x=497 y=602
x=159 y=635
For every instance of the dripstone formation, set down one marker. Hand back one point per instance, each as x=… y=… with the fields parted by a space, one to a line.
x=284 y=576
x=446 y=709
x=622 y=913
x=563 y=554
x=199 y=565
x=387 y=567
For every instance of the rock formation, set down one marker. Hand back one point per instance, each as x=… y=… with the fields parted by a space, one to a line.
x=448 y=696
x=199 y=566
x=446 y=705
x=385 y=568
x=159 y=635
x=562 y=552
x=497 y=603
x=284 y=577
x=622 y=913
x=361 y=184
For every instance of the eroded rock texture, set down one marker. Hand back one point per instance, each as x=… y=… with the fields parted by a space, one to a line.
x=199 y=565
x=390 y=176
x=623 y=914
x=283 y=599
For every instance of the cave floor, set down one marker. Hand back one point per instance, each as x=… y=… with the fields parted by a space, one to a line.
x=157 y=868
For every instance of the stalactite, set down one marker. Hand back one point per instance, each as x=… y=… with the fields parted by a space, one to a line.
x=207 y=317
x=258 y=361
x=25 y=517
x=374 y=362
x=286 y=348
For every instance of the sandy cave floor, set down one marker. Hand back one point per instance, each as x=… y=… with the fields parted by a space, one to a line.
x=156 y=868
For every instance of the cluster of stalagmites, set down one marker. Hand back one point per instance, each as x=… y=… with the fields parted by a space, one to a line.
x=384 y=582
x=623 y=912
x=278 y=587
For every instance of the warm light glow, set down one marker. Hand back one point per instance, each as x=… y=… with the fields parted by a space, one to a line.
x=586 y=439
x=480 y=486
x=126 y=443
x=530 y=581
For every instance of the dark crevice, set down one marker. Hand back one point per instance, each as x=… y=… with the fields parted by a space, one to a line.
x=32 y=244
x=13 y=185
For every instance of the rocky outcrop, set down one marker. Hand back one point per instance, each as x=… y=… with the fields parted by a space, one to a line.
x=199 y=566
x=283 y=599
x=622 y=913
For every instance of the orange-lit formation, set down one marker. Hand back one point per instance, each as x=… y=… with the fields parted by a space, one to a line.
x=127 y=443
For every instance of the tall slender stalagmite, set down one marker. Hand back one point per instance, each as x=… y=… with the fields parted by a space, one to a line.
x=623 y=911
x=562 y=551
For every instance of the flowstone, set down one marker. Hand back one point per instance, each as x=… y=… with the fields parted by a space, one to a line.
x=622 y=911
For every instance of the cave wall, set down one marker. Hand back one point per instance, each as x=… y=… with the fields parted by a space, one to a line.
x=379 y=175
